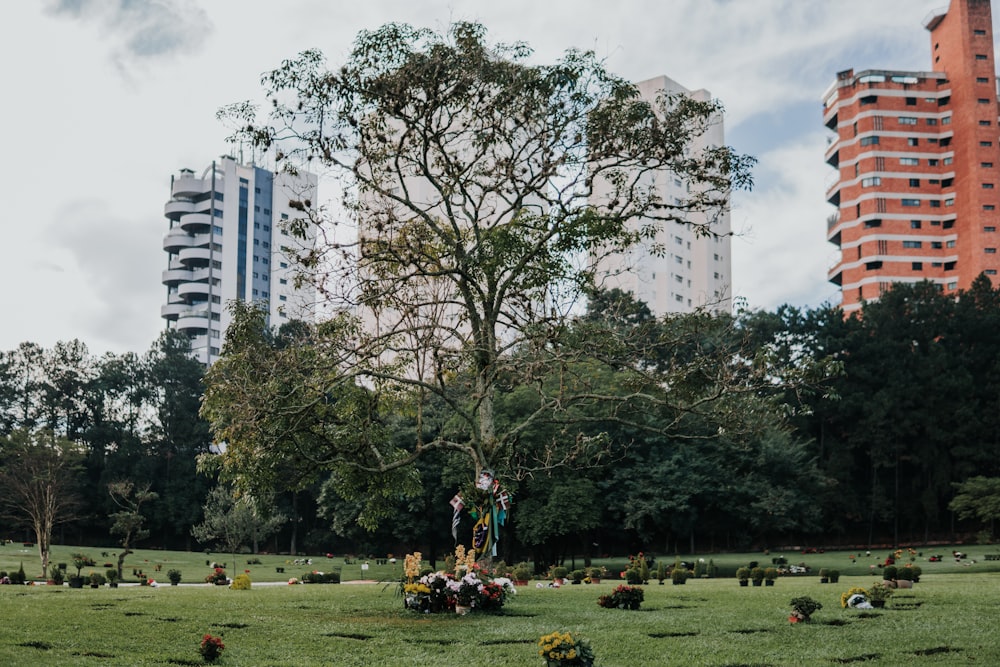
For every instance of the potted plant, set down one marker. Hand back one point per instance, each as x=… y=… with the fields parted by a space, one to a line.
x=661 y=572
x=522 y=573
x=623 y=597
x=757 y=576
x=174 y=576
x=803 y=608
x=595 y=574
x=112 y=576
x=559 y=574
x=679 y=575
x=56 y=576
x=97 y=580
x=218 y=577
x=904 y=577
x=561 y=648
x=824 y=575
x=633 y=576
x=577 y=576
x=879 y=592
x=743 y=574
x=770 y=574
x=834 y=576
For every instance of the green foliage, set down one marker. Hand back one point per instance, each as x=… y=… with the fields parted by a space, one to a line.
x=321 y=577
x=805 y=606
x=743 y=573
x=623 y=597
x=174 y=575
x=241 y=583
x=56 y=575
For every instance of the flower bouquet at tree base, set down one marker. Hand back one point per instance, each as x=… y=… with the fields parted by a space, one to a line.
x=561 y=648
x=466 y=588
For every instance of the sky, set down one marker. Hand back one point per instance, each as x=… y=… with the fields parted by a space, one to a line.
x=106 y=99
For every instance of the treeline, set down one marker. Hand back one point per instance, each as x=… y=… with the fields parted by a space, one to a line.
x=871 y=453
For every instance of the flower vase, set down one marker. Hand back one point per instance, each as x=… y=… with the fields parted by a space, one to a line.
x=462 y=609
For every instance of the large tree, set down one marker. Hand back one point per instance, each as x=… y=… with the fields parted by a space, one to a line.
x=482 y=188
x=39 y=478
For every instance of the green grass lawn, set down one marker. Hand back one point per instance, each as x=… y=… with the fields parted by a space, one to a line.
x=948 y=618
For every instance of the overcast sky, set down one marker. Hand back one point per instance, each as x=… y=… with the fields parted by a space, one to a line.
x=105 y=99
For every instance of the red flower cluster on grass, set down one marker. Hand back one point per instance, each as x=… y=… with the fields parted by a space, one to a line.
x=211 y=648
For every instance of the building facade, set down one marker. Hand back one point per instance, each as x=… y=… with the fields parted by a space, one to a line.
x=678 y=270
x=918 y=165
x=226 y=241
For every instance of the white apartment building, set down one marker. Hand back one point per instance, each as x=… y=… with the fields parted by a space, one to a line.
x=226 y=241
x=677 y=271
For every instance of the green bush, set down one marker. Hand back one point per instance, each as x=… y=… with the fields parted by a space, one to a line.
x=522 y=571
x=174 y=576
x=559 y=572
x=321 y=577
x=241 y=583
x=623 y=597
x=889 y=572
x=633 y=576
x=56 y=575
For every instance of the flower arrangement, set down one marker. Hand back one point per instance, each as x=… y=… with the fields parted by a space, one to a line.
x=218 y=577
x=443 y=591
x=880 y=591
x=803 y=608
x=211 y=648
x=846 y=597
x=561 y=648
x=623 y=597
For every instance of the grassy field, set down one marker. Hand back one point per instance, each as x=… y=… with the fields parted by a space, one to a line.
x=948 y=618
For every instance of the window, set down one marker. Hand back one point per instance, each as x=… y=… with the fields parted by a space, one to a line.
x=911 y=101
x=907 y=120
x=284 y=216
x=952 y=284
x=990 y=251
x=217 y=213
x=282 y=298
x=914 y=224
x=983 y=100
x=255 y=275
x=991 y=272
x=936 y=245
x=917 y=266
x=910 y=202
x=869 y=224
x=267 y=211
x=989 y=228
x=871 y=266
x=256 y=258
x=932 y=162
x=255 y=293
x=935 y=203
x=256 y=225
x=869 y=141
x=256 y=209
x=282 y=281
x=680 y=260
x=984 y=123
x=946 y=120
x=913 y=141
x=982 y=79
x=914 y=182
x=868 y=99
x=949 y=160
x=256 y=241
x=948 y=224
x=284 y=265
x=909 y=161
x=987 y=186
x=986 y=165
x=912 y=244
x=679 y=279
x=678 y=240
x=871 y=181
x=265 y=260
x=256 y=190
x=950 y=244
x=950 y=201
x=932 y=121
x=978 y=32
x=980 y=56
x=984 y=144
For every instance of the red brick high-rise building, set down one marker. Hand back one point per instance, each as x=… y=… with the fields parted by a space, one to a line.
x=918 y=165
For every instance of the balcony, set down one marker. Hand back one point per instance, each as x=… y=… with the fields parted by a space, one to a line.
x=833 y=190
x=197 y=289
x=175 y=208
x=196 y=223
x=194 y=256
x=187 y=185
x=175 y=276
x=171 y=311
x=836 y=274
x=833 y=152
x=177 y=239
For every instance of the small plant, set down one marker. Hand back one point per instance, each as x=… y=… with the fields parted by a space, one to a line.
x=770 y=574
x=596 y=573
x=757 y=575
x=522 y=571
x=700 y=569
x=834 y=576
x=211 y=648
x=561 y=648
x=743 y=574
x=633 y=576
x=889 y=573
x=879 y=592
x=916 y=571
x=56 y=575
x=904 y=573
x=559 y=572
x=501 y=569
x=824 y=575
x=97 y=579
x=678 y=575
x=81 y=561
x=577 y=576
x=713 y=569
x=174 y=576
x=803 y=608
x=241 y=582
x=112 y=576
x=643 y=569
x=623 y=597
x=661 y=571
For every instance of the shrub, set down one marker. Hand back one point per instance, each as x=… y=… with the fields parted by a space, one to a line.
x=56 y=575
x=889 y=572
x=321 y=577
x=643 y=569
x=743 y=573
x=904 y=574
x=834 y=576
x=174 y=576
x=661 y=571
x=678 y=575
x=595 y=572
x=803 y=607
x=700 y=569
x=713 y=569
x=623 y=597
x=241 y=583
x=111 y=574
x=97 y=579
x=757 y=574
x=19 y=577
x=770 y=573
x=522 y=571
x=633 y=576
x=559 y=572
x=577 y=575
